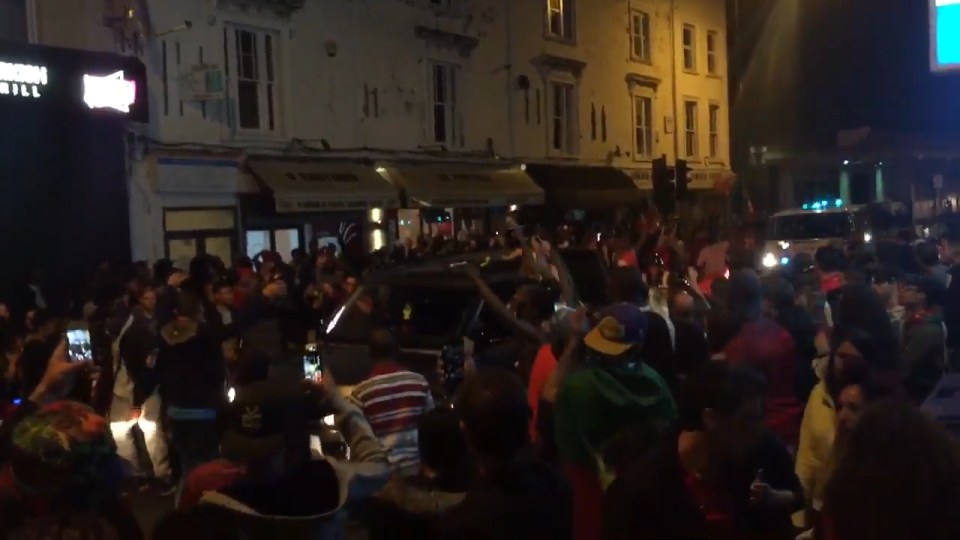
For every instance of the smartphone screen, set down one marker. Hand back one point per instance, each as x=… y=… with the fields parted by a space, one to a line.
x=312 y=367
x=78 y=343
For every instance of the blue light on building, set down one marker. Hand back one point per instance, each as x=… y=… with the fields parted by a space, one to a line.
x=947 y=33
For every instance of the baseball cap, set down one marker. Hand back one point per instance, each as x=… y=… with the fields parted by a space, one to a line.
x=621 y=327
x=257 y=419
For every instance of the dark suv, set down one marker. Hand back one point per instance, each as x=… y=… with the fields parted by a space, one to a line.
x=430 y=307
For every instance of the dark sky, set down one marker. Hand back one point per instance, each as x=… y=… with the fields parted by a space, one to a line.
x=813 y=67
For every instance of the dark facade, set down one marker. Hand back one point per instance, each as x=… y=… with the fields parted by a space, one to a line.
x=63 y=172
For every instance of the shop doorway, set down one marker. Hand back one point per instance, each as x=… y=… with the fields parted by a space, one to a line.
x=182 y=248
x=282 y=241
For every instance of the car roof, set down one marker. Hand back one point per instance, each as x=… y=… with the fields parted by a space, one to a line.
x=800 y=212
x=442 y=272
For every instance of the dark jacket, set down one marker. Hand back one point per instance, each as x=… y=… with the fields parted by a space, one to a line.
x=137 y=346
x=651 y=499
x=803 y=330
x=522 y=500
x=258 y=325
x=190 y=366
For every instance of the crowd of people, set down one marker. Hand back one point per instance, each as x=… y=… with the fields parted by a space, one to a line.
x=770 y=407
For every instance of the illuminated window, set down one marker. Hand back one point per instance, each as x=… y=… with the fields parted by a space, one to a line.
x=254 y=65
x=689 y=47
x=560 y=19
x=563 y=114
x=690 y=142
x=640 y=37
x=643 y=126
x=714 y=130
x=443 y=97
x=713 y=44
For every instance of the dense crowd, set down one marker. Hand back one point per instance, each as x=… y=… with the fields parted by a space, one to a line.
x=737 y=406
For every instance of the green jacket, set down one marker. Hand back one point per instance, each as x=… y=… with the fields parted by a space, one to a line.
x=596 y=402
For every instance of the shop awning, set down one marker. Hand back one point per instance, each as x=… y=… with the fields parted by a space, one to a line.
x=324 y=186
x=580 y=187
x=465 y=186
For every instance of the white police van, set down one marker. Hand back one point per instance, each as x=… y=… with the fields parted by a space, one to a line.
x=814 y=225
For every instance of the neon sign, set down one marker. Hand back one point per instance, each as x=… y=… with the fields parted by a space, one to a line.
x=22 y=80
x=945 y=35
x=109 y=92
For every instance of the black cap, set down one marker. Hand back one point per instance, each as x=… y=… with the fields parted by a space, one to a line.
x=257 y=420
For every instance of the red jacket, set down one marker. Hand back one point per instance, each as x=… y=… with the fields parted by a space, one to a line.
x=767 y=347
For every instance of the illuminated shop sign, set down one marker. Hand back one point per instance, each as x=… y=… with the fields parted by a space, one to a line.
x=945 y=35
x=109 y=92
x=22 y=80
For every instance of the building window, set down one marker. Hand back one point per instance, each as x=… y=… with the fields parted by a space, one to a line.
x=640 y=37
x=443 y=101
x=689 y=47
x=562 y=135
x=254 y=59
x=13 y=20
x=690 y=110
x=643 y=126
x=713 y=42
x=560 y=19
x=714 y=130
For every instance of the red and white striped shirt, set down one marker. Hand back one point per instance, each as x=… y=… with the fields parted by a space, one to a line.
x=393 y=399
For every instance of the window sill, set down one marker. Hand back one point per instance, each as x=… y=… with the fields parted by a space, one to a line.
x=642 y=159
x=562 y=40
x=252 y=135
x=691 y=71
x=641 y=61
x=715 y=76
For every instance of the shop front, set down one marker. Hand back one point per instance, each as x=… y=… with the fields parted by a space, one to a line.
x=63 y=161
x=586 y=193
x=184 y=204
x=338 y=203
x=448 y=198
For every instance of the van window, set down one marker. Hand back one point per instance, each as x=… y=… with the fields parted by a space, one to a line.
x=811 y=226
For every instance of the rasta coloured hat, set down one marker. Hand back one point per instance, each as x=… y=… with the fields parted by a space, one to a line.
x=621 y=327
x=64 y=443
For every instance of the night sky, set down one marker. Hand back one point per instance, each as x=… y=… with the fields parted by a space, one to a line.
x=808 y=68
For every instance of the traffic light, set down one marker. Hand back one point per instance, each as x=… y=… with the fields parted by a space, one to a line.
x=681 y=175
x=663 y=189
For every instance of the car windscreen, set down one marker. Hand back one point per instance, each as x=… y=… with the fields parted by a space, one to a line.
x=588 y=275
x=421 y=316
x=810 y=226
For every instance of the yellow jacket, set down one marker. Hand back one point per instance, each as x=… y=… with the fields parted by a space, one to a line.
x=816 y=446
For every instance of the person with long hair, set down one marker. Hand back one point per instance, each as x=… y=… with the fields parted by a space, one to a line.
x=898 y=477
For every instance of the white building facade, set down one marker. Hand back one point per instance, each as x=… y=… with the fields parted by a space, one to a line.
x=273 y=121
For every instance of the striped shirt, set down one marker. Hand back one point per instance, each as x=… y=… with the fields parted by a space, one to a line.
x=393 y=399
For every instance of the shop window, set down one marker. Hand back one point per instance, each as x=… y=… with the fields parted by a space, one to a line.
x=282 y=241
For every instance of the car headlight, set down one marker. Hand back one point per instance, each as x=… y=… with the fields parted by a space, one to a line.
x=328 y=420
x=769 y=261
x=867 y=237
x=784 y=245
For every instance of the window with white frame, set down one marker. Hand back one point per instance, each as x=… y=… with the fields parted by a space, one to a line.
x=563 y=118
x=643 y=126
x=689 y=47
x=252 y=60
x=443 y=103
x=640 y=37
x=713 y=43
x=714 y=130
x=13 y=20
x=690 y=111
x=560 y=19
